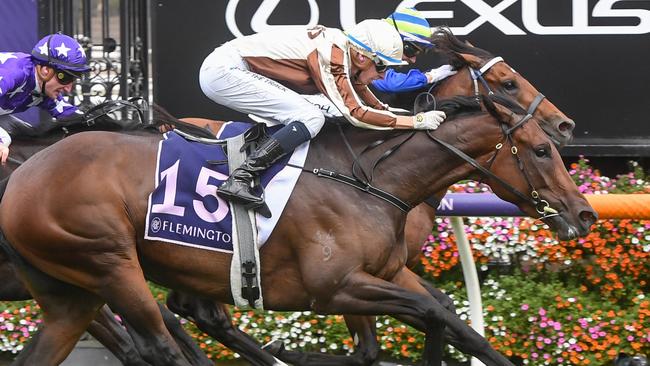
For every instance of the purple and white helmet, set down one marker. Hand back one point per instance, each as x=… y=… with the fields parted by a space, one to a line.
x=61 y=52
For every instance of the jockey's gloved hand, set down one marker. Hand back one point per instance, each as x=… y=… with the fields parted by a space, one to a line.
x=428 y=120
x=440 y=73
x=5 y=141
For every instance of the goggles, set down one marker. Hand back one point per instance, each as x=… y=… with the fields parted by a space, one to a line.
x=65 y=77
x=380 y=66
x=411 y=49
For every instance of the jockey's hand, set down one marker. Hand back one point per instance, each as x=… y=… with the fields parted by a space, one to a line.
x=428 y=120
x=4 y=154
x=435 y=75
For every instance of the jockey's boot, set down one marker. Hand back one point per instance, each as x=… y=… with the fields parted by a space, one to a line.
x=238 y=187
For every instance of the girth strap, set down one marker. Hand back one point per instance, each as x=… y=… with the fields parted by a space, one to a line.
x=244 y=272
x=366 y=187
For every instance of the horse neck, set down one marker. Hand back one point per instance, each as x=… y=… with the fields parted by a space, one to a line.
x=420 y=167
x=457 y=84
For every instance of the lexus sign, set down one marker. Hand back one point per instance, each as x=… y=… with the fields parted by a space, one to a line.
x=589 y=57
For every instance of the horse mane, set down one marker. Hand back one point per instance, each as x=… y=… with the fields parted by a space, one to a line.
x=162 y=117
x=450 y=46
x=455 y=106
x=459 y=105
x=503 y=100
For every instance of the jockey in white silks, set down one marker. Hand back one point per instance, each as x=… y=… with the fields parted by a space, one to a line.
x=265 y=73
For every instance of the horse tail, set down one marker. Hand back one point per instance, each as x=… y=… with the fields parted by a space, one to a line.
x=162 y=117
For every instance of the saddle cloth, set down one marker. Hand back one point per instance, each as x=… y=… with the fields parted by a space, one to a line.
x=184 y=208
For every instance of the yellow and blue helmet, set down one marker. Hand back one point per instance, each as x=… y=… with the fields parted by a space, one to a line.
x=412 y=26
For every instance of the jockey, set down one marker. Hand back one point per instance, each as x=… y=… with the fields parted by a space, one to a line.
x=264 y=73
x=416 y=34
x=39 y=79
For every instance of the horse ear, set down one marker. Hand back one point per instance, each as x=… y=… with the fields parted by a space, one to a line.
x=498 y=111
x=469 y=43
x=471 y=60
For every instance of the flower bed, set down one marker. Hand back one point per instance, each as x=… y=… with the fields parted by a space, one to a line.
x=545 y=302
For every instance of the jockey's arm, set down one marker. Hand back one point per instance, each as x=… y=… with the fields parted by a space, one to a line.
x=344 y=95
x=397 y=82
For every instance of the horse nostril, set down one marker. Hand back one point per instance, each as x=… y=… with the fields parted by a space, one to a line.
x=588 y=216
x=566 y=126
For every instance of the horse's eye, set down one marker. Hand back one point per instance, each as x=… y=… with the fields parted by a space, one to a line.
x=542 y=152
x=509 y=85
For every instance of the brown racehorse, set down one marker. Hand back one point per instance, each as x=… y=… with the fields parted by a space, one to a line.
x=85 y=228
x=499 y=77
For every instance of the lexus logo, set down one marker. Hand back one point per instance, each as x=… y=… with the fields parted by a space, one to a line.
x=620 y=20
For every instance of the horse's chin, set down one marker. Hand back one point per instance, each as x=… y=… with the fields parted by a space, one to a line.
x=564 y=230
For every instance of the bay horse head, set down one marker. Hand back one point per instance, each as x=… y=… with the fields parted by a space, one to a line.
x=482 y=72
x=524 y=167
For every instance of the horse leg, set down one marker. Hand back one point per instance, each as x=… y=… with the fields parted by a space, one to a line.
x=112 y=334
x=364 y=333
x=406 y=299
x=215 y=320
x=128 y=294
x=447 y=303
x=67 y=311
x=189 y=348
x=65 y=319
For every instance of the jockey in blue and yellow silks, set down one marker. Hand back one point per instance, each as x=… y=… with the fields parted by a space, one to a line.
x=38 y=79
x=416 y=36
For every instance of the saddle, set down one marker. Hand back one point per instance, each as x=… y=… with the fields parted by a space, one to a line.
x=253 y=137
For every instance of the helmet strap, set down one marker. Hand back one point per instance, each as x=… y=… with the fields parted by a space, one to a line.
x=43 y=78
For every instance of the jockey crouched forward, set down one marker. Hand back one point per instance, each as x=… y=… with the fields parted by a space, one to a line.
x=38 y=79
x=265 y=73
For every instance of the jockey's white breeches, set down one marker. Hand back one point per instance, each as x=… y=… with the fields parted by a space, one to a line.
x=226 y=79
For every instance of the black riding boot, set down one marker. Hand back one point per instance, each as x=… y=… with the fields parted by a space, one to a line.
x=238 y=187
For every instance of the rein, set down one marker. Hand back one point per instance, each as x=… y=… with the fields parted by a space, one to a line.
x=365 y=183
x=111 y=106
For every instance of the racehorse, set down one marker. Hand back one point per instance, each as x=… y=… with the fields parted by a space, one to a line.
x=479 y=72
x=86 y=228
x=499 y=76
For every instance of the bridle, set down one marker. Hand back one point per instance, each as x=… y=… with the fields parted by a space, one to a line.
x=541 y=206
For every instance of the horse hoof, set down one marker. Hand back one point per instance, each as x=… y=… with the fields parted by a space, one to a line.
x=275 y=347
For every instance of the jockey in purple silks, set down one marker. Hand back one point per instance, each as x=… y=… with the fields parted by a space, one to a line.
x=38 y=79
